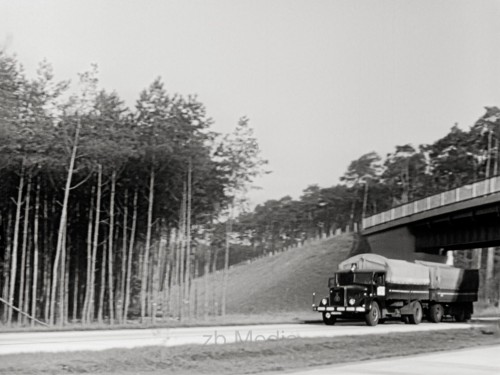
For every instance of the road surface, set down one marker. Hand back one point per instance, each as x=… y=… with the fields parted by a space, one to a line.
x=26 y=342
x=476 y=361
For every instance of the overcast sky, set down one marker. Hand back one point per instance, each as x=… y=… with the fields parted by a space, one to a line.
x=322 y=82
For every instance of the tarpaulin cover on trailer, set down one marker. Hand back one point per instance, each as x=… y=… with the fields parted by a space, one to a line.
x=443 y=276
x=397 y=271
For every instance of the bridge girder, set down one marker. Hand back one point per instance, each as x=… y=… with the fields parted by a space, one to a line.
x=465 y=225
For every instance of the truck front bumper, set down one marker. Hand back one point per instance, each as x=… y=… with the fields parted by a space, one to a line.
x=339 y=309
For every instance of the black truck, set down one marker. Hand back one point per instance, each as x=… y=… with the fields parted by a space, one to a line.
x=375 y=288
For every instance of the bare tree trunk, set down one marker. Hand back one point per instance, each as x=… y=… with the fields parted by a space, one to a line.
x=177 y=270
x=182 y=269
x=155 y=265
x=110 y=250
x=166 y=287
x=102 y=284
x=206 y=284
x=229 y=229
x=26 y=301
x=46 y=287
x=95 y=244
x=34 y=295
x=194 y=290
x=214 y=289
x=495 y=166
x=23 y=270
x=144 y=281
x=90 y=269
x=76 y=288
x=160 y=273
x=150 y=279
x=13 y=266
x=62 y=282
x=62 y=223
x=365 y=199
x=129 y=257
x=187 y=279
x=65 y=299
x=121 y=305
x=7 y=266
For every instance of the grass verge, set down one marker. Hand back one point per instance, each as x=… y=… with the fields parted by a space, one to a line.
x=287 y=317
x=248 y=358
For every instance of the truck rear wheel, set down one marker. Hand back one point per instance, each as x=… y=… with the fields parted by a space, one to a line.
x=436 y=313
x=460 y=316
x=372 y=317
x=417 y=315
x=329 y=319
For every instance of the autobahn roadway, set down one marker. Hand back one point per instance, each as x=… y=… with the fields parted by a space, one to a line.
x=61 y=341
x=483 y=360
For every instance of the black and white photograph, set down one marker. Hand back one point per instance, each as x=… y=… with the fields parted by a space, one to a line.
x=303 y=187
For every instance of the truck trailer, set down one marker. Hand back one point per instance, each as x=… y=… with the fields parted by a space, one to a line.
x=376 y=288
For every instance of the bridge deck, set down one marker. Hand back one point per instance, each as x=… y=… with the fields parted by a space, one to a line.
x=460 y=194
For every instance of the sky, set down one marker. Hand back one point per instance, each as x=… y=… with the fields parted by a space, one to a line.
x=322 y=81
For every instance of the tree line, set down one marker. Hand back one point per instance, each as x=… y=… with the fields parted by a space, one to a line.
x=372 y=184
x=109 y=212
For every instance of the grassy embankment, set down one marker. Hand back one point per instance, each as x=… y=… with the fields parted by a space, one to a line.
x=285 y=282
x=247 y=358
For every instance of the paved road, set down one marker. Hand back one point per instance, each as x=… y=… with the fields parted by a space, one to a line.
x=26 y=342
x=477 y=361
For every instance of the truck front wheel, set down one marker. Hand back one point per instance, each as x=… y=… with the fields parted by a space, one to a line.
x=329 y=319
x=436 y=313
x=417 y=315
x=372 y=317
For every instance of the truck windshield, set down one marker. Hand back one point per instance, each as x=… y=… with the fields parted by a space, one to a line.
x=350 y=278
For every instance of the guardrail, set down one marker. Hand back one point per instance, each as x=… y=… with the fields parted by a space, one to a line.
x=462 y=193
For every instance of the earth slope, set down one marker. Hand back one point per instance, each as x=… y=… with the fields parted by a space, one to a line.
x=286 y=281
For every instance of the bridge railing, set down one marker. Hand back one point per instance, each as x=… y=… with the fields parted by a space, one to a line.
x=462 y=193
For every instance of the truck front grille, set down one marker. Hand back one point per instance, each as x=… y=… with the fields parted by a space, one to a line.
x=337 y=297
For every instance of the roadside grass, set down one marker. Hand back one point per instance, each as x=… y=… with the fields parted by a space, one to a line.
x=249 y=357
x=287 y=317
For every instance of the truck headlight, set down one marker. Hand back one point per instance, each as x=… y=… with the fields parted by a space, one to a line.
x=324 y=301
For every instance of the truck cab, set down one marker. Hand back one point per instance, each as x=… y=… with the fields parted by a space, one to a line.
x=352 y=294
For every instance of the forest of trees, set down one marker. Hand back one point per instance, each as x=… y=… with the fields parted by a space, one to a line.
x=109 y=212
x=106 y=210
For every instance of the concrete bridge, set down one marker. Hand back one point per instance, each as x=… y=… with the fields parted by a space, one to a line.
x=467 y=217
